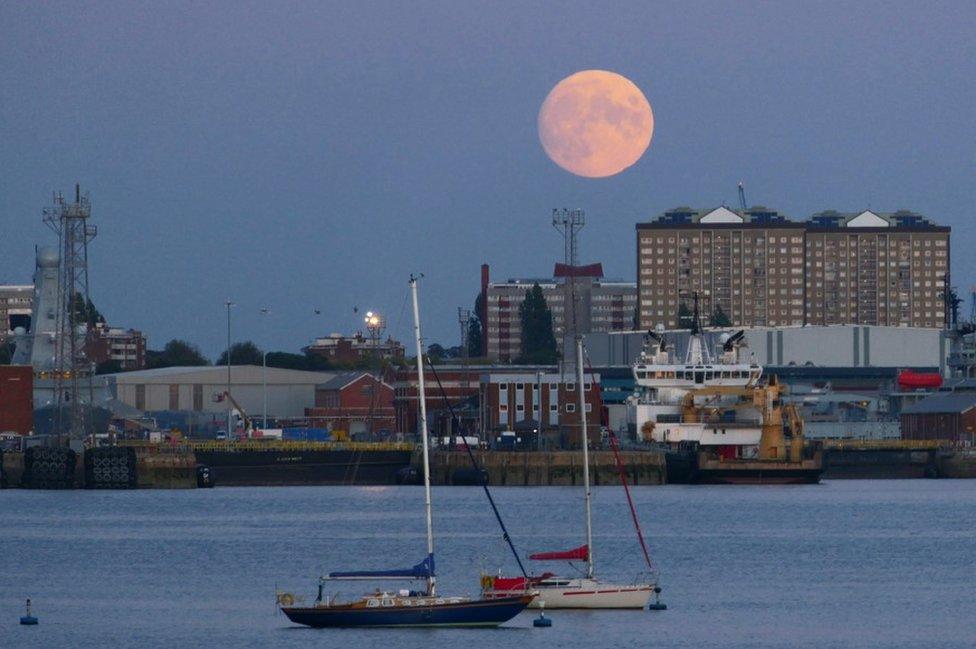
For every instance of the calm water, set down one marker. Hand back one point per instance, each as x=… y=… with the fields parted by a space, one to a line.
x=843 y=564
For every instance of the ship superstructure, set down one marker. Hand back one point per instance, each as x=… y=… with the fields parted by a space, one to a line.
x=716 y=414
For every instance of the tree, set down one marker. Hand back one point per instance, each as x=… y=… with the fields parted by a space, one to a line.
x=476 y=328
x=85 y=311
x=684 y=316
x=6 y=352
x=719 y=318
x=435 y=352
x=538 y=341
x=176 y=353
x=245 y=353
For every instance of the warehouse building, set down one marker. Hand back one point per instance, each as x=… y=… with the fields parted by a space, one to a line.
x=833 y=346
x=194 y=389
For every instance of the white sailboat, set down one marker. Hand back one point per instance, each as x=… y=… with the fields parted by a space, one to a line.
x=577 y=592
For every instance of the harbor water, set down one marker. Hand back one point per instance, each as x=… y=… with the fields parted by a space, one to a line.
x=841 y=564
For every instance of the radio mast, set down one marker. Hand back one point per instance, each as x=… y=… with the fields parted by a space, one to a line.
x=72 y=369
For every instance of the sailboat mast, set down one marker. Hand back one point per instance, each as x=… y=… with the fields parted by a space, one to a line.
x=586 y=455
x=422 y=395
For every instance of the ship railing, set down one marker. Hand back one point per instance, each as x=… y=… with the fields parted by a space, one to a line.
x=646 y=577
x=874 y=444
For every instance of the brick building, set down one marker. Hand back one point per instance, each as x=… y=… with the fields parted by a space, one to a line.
x=943 y=416
x=15 y=308
x=461 y=384
x=127 y=347
x=16 y=399
x=353 y=402
x=511 y=398
x=492 y=398
x=337 y=348
x=762 y=269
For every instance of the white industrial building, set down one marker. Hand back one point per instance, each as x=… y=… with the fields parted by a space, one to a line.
x=823 y=346
x=193 y=389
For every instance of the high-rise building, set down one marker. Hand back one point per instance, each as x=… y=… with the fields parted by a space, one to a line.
x=15 y=308
x=602 y=305
x=877 y=269
x=756 y=267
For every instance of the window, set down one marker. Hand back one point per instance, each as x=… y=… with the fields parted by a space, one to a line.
x=519 y=386
x=589 y=407
x=503 y=387
x=586 y=387
x=570 y=387
x=503 y=407
x=570 y=407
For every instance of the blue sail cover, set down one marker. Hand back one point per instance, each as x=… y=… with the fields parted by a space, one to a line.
x=422 y=570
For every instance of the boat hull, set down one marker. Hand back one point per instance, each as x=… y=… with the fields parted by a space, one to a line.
x=477 y=613
x=592 y=595
x=277 y=467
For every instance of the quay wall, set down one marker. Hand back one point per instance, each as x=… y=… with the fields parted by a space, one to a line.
x=532 y=468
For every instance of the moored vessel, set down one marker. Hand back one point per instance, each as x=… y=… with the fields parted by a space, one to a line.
x=585 y=591
x=406 y=608
x=718 y=420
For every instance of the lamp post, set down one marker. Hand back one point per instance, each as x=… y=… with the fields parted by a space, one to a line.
x=375 y=324
x=228 y=304
x=264 y=370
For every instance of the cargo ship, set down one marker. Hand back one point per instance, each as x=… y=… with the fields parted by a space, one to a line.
x=715 y=418
x=279 y=463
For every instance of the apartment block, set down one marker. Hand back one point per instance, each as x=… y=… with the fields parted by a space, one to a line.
x=760 y=269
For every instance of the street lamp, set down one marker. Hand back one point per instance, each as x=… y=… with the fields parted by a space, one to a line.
x=264 y=371
x=375 y=324
x=228 y=304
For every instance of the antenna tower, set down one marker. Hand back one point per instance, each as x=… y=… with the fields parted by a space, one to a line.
x=569 y=222
x=72 y=369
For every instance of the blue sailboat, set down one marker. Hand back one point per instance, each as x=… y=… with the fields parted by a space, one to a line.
x=405 y=607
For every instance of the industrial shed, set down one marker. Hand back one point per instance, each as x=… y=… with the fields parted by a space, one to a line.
x=944 y=416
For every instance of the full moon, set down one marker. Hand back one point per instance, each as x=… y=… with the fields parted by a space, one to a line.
x=595 y=123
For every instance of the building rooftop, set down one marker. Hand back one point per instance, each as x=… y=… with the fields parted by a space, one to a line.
x=760 y=216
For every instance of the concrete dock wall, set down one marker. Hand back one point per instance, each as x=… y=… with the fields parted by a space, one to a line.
x=546 y=468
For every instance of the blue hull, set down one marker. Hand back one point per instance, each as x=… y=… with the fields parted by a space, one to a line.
x=478 y=613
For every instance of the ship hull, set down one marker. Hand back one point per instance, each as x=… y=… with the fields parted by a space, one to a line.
x=584 y=594
x=769 y=476
x=259 y=467
x=478 y=613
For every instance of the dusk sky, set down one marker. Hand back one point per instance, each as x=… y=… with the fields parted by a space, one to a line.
x=303 y=156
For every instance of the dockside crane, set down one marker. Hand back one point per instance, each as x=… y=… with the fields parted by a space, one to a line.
x=742 y=196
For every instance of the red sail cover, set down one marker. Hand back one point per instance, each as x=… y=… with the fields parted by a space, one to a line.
x=582 y=553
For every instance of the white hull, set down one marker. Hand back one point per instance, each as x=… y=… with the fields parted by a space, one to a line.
x=585 y=594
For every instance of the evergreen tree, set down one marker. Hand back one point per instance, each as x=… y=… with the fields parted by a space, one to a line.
x=538 y=340
x=476 y=331
x=176 y=353
x=84 y=311
x=719 y=318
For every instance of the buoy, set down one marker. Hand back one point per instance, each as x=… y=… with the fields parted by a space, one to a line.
x=28 y=620
x=657 y=605
x=542 y=620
